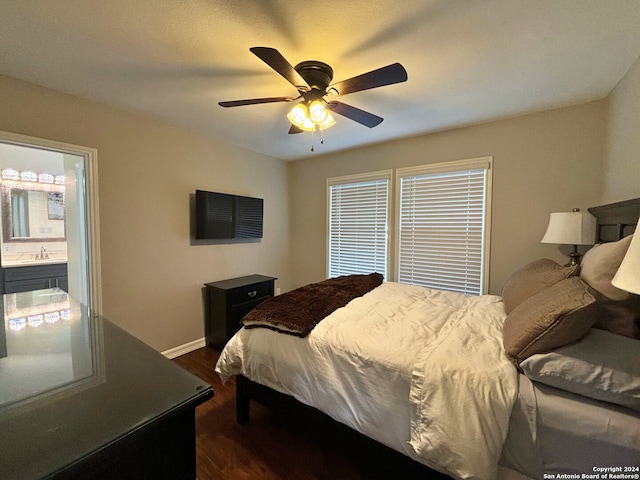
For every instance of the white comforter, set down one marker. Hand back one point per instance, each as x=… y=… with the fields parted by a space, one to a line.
x=419 y=370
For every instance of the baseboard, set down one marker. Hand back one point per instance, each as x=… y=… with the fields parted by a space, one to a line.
x=186 y=348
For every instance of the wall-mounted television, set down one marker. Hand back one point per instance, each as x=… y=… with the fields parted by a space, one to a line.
x=220 y=215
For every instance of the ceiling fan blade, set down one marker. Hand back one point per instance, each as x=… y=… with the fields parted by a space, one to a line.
x=388 y=75
x=365 y=118
x=275 y=60
x=254 y=101
x=295 y=129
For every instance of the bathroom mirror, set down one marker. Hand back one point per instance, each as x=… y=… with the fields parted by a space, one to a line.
x=32 y=213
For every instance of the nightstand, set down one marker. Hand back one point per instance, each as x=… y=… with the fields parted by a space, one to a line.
x=230 y=300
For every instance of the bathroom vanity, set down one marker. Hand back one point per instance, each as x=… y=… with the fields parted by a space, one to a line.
x=34 y=277
x=33 y=252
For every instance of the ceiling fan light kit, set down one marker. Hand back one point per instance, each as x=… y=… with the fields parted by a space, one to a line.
x=316 y=116
x=312 y=80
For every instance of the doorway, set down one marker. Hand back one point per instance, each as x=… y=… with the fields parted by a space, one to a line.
x=49 y=212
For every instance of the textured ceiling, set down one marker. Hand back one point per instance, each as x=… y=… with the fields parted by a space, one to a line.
x=468 y=61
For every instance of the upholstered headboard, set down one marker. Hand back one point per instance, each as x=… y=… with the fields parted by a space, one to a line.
x=616 y=220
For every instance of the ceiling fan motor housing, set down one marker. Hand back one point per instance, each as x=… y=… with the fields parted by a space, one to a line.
x=317 y=74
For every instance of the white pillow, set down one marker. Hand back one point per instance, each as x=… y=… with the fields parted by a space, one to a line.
x=602 y=365
x=600 y=264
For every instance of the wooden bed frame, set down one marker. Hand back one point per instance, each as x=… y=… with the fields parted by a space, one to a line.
x=614 y=221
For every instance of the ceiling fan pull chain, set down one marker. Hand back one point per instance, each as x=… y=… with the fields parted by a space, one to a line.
x=312 y=149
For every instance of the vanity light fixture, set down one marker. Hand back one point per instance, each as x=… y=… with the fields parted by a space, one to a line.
x=35 y=321
x=10 y=174
x=51 y=317
x=35 y=316
x=45 y=178
x=17 y=324
x=29 y=176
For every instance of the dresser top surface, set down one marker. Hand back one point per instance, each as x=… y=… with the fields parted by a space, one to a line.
x=240 y=282
x=72 y=383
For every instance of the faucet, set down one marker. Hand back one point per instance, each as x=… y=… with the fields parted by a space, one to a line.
x=43 y=254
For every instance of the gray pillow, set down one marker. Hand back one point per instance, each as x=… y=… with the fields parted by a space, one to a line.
x=603 y=366
x=618 y=316
x=531 y=279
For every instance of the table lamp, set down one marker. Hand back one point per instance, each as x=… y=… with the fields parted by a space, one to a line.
x=628 y=275
x=571 y=228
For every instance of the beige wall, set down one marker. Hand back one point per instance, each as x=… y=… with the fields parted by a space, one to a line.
x=152 y=274
x=622 y=158
x=152 y=271
x=543 y=162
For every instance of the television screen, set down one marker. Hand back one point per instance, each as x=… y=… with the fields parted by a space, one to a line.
x=220 y=215
x=249 y=217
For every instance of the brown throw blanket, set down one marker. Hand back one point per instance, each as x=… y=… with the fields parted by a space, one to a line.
x=297 y=312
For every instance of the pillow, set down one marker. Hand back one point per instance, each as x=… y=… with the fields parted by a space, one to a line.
x=531 y=279
x=600 y=264
x=552 y=318
x=621 y=317
x=602 y=365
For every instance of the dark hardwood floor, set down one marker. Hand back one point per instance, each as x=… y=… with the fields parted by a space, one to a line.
x=299 y=444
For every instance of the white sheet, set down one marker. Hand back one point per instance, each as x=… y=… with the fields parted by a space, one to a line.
x=419 y=370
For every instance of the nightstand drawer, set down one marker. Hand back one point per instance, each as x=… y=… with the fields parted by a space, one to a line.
x=251 y=293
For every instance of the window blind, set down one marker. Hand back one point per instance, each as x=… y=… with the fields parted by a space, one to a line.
x=358 y=227
x=441 y=240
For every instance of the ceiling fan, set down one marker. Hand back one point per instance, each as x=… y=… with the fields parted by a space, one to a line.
x=312 y=79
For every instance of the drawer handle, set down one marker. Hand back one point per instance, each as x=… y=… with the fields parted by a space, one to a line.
x=253 y=294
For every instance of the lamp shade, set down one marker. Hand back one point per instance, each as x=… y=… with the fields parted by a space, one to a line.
x=298 y=114
x=628 y=275
x=318 y=112
x=571 y=228
x=311 y=116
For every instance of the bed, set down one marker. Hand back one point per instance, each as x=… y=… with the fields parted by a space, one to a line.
x=475 y=388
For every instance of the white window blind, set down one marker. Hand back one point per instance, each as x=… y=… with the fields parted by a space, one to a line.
x=442 y=226
x=358 y=222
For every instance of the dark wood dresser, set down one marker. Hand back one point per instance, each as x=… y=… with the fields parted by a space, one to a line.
x=82 y=399
x=230 y=300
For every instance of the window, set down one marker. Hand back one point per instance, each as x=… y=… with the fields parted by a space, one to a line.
x=442 y=225
x=443 y=217
x=358 y=217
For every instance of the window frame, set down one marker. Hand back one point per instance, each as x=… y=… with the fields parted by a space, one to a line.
x=357 y=178
x=449 y=167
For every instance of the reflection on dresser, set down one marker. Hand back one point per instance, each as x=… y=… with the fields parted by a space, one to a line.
x=51 y=347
